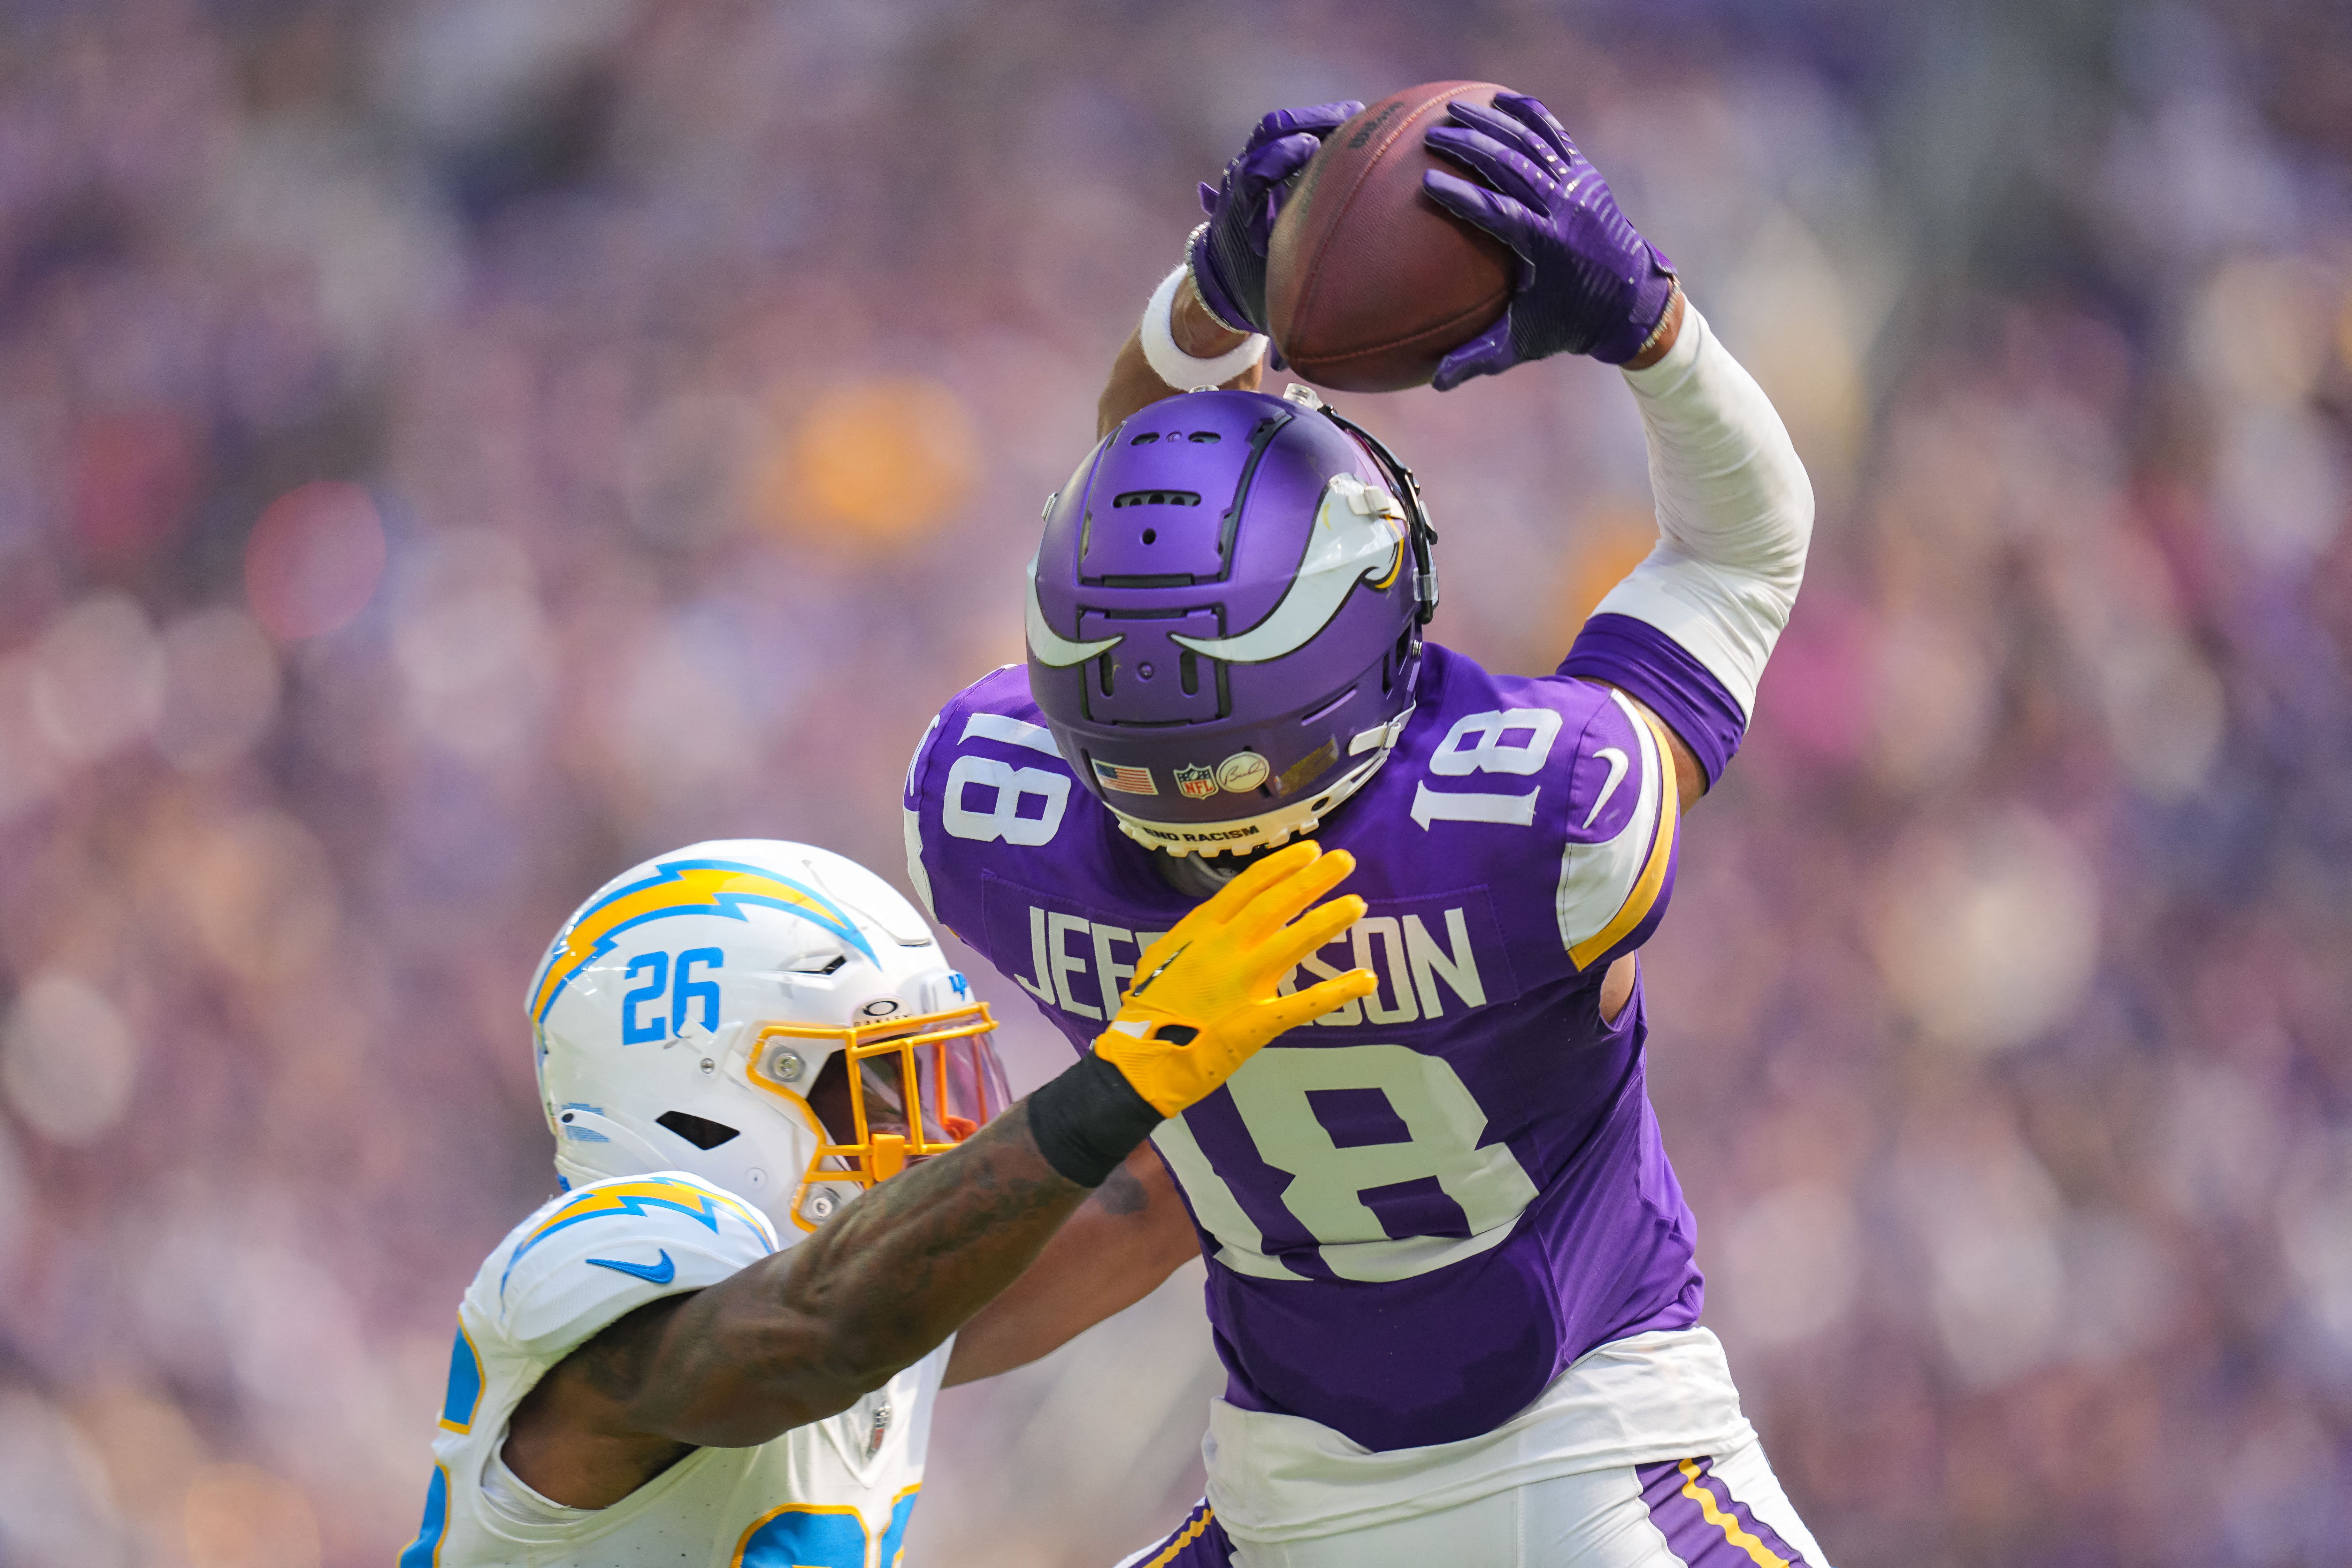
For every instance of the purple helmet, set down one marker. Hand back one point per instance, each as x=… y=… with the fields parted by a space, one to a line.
x=1224 y=618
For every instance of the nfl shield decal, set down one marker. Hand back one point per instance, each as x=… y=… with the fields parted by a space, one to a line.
x=1127 y=781
x=1197 y=782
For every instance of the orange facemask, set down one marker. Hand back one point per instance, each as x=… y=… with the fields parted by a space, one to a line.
x=917 y=1087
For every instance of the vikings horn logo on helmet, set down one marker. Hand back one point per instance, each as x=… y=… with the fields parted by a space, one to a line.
x=1050 y=647
x=1359 y=536
x=1305 y=598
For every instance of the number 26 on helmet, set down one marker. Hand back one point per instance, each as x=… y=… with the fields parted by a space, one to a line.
x=771 y=1016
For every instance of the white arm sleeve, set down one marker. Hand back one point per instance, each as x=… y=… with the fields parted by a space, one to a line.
x=1735 y=511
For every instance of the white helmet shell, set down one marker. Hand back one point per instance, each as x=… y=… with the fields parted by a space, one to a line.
x=688 y=1008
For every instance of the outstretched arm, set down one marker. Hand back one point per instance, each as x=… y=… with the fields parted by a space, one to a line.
x=1125 y=1240
x=798 y=1335
x=801 y=1335
x=1688 y=633
x=1688 y=630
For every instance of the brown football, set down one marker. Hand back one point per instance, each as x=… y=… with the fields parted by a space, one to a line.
x=1369 y=283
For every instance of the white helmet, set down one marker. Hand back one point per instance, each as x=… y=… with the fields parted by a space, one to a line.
x=689 y=1014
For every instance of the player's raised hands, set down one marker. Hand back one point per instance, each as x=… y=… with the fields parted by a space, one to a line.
x=1203 y=998
x=1227 y=253
x=1589 y=284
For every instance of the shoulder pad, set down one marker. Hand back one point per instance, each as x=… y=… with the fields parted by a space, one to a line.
x=996 y=707
x=1622 y=820
x=609 y=1247
x=987 y=780
x=1504 y=772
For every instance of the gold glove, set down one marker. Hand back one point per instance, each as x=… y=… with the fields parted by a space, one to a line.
x=1203 y=998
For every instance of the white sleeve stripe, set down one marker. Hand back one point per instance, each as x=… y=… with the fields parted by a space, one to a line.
x=1652 y=883
x=1596 y=880
x=1013 y=733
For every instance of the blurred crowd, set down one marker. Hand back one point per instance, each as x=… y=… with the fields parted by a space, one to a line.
x=451 y=450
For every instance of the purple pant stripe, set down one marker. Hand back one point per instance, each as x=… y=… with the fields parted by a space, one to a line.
x=1716 y=1531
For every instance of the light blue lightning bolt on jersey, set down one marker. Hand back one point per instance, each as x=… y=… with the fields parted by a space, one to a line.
x=1420 y=1209
x=836 y=1494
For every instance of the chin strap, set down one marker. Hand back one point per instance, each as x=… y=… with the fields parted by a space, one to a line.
x=1266 y=830
x=1407 y=489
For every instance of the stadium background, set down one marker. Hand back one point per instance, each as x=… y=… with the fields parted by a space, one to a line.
x=450 y=451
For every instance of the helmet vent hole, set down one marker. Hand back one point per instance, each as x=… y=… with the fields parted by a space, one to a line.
x=819 y=966
x=1155 y=498
x=1145 y=440
x=1102 y=674
x=1188 y=672
x=1150 y=536
x=699 y=1131
x=1205 y=437
x=1324 y=710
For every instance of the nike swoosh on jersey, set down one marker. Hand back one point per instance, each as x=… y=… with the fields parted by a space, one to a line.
x=660 y=1273
x=1617 y=765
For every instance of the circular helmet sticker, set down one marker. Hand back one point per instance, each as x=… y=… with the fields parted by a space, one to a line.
x=1243 y=770
x=880 y=1007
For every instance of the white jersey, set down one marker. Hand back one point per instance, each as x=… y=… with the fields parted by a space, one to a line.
x=836 y=1493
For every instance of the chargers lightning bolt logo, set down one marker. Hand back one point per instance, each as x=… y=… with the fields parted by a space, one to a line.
x=634 y=1197
x=683 y=888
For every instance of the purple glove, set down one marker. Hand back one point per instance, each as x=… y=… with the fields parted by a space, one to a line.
x=1227 y=253
x=1588 y=283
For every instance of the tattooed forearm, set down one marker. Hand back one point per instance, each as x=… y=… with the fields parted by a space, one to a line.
x=615 y=1364
x=924 y=1251
x=889 y=1278
x=1122 y=1193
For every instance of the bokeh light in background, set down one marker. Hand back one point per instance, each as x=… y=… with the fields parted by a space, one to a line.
x=313 y=558
x=450 y=450
x=871 y=464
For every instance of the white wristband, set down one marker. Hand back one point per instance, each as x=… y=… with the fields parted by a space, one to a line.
x=1180 y=369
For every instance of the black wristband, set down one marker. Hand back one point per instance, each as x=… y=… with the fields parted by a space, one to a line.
x=1089 y=1119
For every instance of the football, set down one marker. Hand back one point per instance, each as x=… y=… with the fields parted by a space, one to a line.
x=1369 y=283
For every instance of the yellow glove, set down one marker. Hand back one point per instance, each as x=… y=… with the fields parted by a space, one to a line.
x=1203 y=998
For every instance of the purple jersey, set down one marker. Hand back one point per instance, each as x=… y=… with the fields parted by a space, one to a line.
x=1421 y=1208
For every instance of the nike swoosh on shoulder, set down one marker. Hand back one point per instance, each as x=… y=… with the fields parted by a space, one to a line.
x=1617 y=766
x=660 y=1273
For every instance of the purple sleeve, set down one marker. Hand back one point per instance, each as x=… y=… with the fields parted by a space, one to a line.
x=1662 y=673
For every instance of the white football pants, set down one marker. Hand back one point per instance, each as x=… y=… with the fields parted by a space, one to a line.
x=1720 y=1511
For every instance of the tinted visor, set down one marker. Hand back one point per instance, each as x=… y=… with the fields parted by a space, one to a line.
x=903 y=1090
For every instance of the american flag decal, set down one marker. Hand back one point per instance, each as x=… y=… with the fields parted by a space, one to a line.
x=1127 y=781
